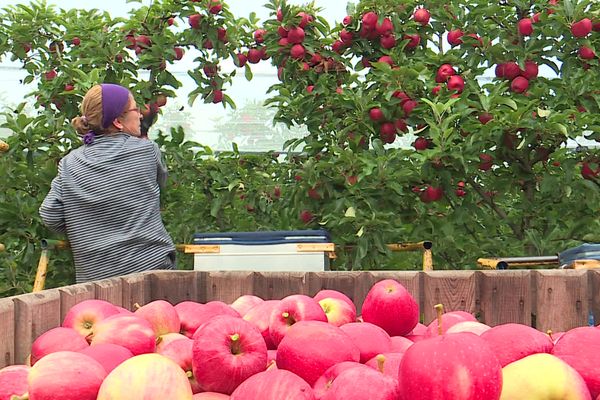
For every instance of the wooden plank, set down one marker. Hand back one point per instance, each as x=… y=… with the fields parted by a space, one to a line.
x=505 y=297
x=594 y=277
x=277 y=285
x=71 y=295
x=226 y=286
x=7 y=332
x=456 y=290
x=411 y=280
x=562 y=299
x=174 y=286
x=110 y=290
x=342 y=281
x=135 y=289
x=35 y=313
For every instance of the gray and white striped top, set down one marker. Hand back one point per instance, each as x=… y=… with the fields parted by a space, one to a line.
x=106 y=199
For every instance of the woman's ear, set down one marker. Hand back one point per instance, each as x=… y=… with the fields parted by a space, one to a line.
x=117 y=124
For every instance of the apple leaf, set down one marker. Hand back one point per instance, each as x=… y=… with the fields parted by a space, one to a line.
x=350 y=212
x=507 y=102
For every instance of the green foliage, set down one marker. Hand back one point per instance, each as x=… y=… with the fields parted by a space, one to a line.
x=344 y=176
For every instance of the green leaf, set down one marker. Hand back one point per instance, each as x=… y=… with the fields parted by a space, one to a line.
x=350 y=212
x=506 y=102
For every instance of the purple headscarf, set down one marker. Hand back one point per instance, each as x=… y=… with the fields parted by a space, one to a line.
x=114 y=100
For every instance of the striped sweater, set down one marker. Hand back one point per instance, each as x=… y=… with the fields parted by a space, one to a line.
x=105 y=197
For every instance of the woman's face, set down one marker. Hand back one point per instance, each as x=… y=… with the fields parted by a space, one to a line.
x=131 y=118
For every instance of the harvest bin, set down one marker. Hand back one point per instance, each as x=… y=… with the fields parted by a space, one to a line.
x=305 y=250
x=546 y=299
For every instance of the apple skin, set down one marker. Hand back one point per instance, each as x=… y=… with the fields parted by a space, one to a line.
x=277 y=384
x=449 y=319
x=244 y=303
x=227 y=350
x=456 y=366
x=210 y=396
x=65 y=375
x=133 y=333
x=57 y=339
x=311 y=347
x=369 y=338
x=260 y=315
x=164 y=340
x=391 y=363
x=108 y=355
x=325 y=293
x=13 y=381
x=84 y=315
x=390 y=306
x=146 y=377
x=469 y=326
x=542 y=376
x=580 y=348
x=180 y=351
x=289 y=311
x=162 y=316
x=338 y=311
x=358 y=383
x=322 y=385
x=400 y=344
x=192 y=314
x=530 y=341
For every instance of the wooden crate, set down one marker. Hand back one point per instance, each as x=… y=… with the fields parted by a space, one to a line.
x=549 y=299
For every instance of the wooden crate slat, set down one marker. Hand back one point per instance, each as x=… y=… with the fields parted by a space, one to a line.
x=135 y=290
x=277 y=285
x=7 y=332
x=562 y=299
x=35 y=313
x=505 y=297
x=595 y=297
x=110 y=290
x=226 y=286
x=71 y=295
x=174 y=286
x=456 y=290
x=342 y=281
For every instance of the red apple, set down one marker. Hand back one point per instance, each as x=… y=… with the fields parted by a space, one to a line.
x=179 y=52
x=297 y=52
x=454 y=37
x=511 y=70
x=525 y=26
x=413 y=40
x=369 y=338
x=276 y=384
x=581 y=28
x=338 y=311
x=65 y=375
x=195 y=20
x=143 y=41
x=166 y=339
x=295 y=35
x=325 y=293
x=422 y=16
x=449 y=319
x=387 y=363
x=387 y=132
x=132 y=332
x=244 y=303
x=57 y=339
x=456 y=83
x=50 y=75
x=386 y=59
x=108 y=355
x=519 y=84
x=306 y=216
x=531 y=70
x=13 y=381
x=290 y=310
x=387 y=41
x=444 y=72
x=322 y=385
x=370 y=19
x=376 y=114
x=580 y=348
x=385 y=28
x=485 y=117
x=457 y=366
x=311 y=347
x=390 y=306
x=210 y=396
x=217 y=96
x=180 y=351
x=84 y=315
x=161 y=315
x=586 y=53
x=146 y=377
x=486 y=162
x=227 y=351
x=355 y=383
x=215 y=7
x=469 y=326
x=530 y=341
x=400 y=344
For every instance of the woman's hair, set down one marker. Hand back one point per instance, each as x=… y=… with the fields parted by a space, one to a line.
x=91 y=113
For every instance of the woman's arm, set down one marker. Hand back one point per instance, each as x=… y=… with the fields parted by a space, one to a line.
x=51 y=210
x=161 y=173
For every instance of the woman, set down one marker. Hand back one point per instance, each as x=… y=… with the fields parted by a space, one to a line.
x=106 y=194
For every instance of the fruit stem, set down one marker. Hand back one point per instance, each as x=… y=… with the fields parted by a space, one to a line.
x=137 y=306
x=380 y=361
x=235 y=344
x=439 y=308
x=549 y=333
x=285 y=315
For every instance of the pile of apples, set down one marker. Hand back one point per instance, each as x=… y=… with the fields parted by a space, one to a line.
x=301 y=348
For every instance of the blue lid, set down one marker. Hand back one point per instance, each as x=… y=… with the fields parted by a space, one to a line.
x=265 y=237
